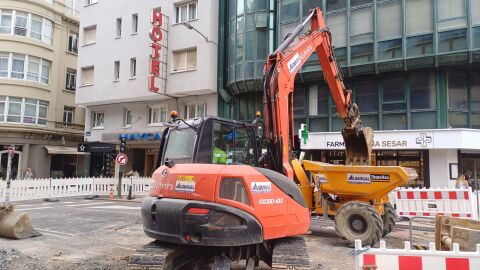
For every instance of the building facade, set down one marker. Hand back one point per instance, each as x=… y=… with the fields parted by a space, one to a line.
x=117 y=64
x=38 y=116
x=413 y=66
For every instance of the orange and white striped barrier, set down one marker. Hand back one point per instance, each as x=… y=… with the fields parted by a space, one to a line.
x=408 y=259
x=432 y=202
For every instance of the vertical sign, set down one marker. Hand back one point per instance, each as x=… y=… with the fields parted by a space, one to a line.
x=156 y=35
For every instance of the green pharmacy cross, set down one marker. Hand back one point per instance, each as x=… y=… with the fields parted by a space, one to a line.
x=304 y=133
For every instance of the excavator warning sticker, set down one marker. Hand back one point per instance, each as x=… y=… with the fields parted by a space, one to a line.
x=320 y=178
x=185 y=183
x=294 y=63
x=261 y=187
x=358 y=178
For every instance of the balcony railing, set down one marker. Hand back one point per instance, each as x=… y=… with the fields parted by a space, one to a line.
x=69 y=127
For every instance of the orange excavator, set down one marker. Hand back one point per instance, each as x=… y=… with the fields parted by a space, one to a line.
x=219 y=197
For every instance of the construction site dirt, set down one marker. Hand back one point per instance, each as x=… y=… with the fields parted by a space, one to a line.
x=101 y=234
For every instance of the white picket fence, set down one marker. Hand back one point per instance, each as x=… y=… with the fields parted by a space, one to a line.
x=22 y=190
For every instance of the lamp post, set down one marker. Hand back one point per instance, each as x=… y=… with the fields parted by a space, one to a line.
x=189 y=26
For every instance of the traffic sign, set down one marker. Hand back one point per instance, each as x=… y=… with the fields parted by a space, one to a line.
x=122 y=159
x=11 y=150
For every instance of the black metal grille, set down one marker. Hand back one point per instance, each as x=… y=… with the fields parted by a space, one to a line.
x=233 y=189
x=223 y=219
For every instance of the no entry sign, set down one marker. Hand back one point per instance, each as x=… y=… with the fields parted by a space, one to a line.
x=122 y=159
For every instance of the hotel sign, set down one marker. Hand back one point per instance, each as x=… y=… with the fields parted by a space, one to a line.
x=158 y=58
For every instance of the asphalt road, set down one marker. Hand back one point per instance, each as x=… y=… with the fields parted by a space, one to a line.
x=101 y=234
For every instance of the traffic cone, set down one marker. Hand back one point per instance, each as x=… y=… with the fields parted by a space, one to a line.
x=110 y=196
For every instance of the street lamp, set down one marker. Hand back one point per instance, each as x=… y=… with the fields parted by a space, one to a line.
x=189 y=26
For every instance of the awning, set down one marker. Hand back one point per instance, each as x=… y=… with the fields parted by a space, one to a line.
x=64 y=150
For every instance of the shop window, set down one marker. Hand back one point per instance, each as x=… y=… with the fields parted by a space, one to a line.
x=390 y=49
x=394 y=93
x=419 y=17
x=420 y=45
x=361 y=25
x=389 y=20
x=366 y=95
x=423 y=91
x=98 y=119
x=337 y=23
x=361 y=54
x=451 y=14
x=68 y=114
x=299 y=102
x=452 y=40
x=290 y=10
x=396 y=121
x=333 y=5
x=457 y=91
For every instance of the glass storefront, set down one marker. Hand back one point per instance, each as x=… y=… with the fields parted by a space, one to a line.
x=471 y=169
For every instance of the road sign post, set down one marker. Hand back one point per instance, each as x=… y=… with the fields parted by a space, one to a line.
x=11 y=152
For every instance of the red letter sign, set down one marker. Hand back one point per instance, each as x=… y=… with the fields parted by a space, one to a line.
x=156 y=36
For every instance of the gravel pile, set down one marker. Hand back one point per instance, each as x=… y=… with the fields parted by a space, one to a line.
x=7 y=255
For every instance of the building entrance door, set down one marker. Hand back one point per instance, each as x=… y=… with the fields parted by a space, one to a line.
x=16 y=172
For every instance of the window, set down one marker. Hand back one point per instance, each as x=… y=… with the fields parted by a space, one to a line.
x=88 y=75
x=390 y=49
x=3 y=101
x=47 y=34
x=231 y=145
x=299 y=102
x=361 y=54
x=33 y=68
x=134 y=23
x=337 y=23
x=4 y=58
x=476 y=12
x=23 y=110
x=18 y=66
x=42 y=112
x=185 y=60
x=68 y=113
x=419 y=14
x=70 y=82
x=90 y=2
x=420 y=45
x=20 y=27
x=393 y=93
x=389 y=20
x=90 y=34
x=30 y=111
x=333 y=5
x=452 y=40
x=98 y=119
x=366 y=94
x=290 y=10
x=195 y=111
x=157 y=115
x=133 y=67
x=187 y=12
x=36 y=23
x=127 y=117
x=14 y=110
x=451 y=14
x=73 y=42
x=119 y=27
x=46 y=71
x=6 y=21
x=457 y=99
x=423 y=101
x=361 y=25
x=116 y=70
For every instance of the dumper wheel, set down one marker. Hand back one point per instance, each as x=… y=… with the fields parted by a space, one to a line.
x=389 y=218
x=358 y=220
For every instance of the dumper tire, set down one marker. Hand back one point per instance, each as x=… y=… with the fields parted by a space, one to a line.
x=389 y=218
x=358 y=220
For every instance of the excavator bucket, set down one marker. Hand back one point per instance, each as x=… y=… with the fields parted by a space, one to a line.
x=358 y=145
x=14 y=224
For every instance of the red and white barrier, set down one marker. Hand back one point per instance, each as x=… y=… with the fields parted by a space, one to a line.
x=408 y=259
x=432 y=202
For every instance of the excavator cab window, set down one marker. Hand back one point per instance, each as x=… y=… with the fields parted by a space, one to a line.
x=232 y=144
x=180 y=145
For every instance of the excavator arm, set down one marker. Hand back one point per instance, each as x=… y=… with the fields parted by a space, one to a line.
x=279 y=79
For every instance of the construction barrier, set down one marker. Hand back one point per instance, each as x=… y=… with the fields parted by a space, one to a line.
x=22 y=190
x=408 y=259
x=431 y=202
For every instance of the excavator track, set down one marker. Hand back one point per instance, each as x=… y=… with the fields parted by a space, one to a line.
x=151 y=256
x=290 y=253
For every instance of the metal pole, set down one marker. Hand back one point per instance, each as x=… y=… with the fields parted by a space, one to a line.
x=119 y=188
x=9 y=171
x=476 y=185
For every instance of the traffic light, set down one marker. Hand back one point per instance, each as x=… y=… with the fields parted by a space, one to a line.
x=123 y=144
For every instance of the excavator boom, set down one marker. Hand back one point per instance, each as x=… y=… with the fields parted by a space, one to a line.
x=279 y=79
